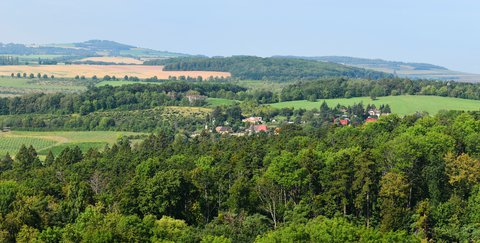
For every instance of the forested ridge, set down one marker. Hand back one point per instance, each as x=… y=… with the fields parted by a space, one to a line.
x=396 y=180
x=257 y=68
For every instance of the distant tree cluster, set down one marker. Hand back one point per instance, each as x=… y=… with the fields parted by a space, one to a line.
x=31 y=76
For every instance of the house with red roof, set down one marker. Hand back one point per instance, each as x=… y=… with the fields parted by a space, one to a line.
x=344 y=122
x=260 y=128
x=370 y=119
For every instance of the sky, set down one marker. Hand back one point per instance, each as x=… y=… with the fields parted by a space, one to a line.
x=442 y=32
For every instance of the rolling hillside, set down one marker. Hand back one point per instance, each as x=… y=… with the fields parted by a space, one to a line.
x=275 y=69
x=91 y=48
x=401 y=69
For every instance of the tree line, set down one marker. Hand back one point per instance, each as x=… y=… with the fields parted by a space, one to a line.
x=128 y=97
x=346 y=88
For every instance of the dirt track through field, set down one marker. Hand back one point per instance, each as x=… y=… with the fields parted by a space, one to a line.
x=140 y=71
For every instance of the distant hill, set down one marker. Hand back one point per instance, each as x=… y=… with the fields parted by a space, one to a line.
x=91 y=48
x=275 y=69
x=377 y=63
x=401 y=69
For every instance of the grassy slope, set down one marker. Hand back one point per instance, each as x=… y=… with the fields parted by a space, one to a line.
x=56 y=141
x=400 y=104
x=213 y=102
x=20 y=86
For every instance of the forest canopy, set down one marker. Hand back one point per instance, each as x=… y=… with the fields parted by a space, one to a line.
x=258 y=68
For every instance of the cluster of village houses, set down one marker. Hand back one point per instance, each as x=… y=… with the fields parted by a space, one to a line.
x=373 y=115
x=257 y=125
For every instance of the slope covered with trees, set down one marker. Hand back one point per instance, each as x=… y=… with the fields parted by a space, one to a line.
x=396 y=180
x=257 y=68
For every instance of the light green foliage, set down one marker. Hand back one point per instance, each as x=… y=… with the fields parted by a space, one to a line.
x=12 y=144
x=339 y=230
x=402 y=105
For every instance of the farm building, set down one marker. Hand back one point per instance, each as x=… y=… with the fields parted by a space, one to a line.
x=375 y=112
x=253 y=120
x=195 y=97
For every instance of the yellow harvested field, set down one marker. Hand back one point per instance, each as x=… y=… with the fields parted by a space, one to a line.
x=140 y=71
x=118 y=60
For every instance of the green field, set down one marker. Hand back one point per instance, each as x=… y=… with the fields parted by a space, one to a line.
x=402 y=105
x=56 y=141
x=213 y=102
x=21 y=86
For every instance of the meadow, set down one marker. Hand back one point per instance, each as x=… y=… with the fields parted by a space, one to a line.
x=57 y=140
x=20 y=86
x=119 y=60
x=402 y=105
x=140 y=71
x=213 y=102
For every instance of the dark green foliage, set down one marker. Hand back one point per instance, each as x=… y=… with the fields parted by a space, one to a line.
x=129 y=97
x=329 y=88
x=394 y=180
x=257 y=68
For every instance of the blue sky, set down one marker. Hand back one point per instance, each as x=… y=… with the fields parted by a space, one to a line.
x=443 y=32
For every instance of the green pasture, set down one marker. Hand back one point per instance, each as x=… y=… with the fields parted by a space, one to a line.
x=402 y=105
x=57 y=140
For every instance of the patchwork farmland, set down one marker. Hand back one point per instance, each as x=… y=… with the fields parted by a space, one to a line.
x=140 y=71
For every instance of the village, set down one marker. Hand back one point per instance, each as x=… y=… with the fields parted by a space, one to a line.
x=256 y=124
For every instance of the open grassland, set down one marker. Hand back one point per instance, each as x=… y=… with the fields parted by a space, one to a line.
x=20 y=86
x=56 y=141
x=119 y=60
x=213 y=102
x=140 y=71
x=263 y=85
x=402 y=105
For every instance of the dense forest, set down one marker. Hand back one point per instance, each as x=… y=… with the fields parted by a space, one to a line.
x=396 y=180
x=129 y=97
x=257 y=68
